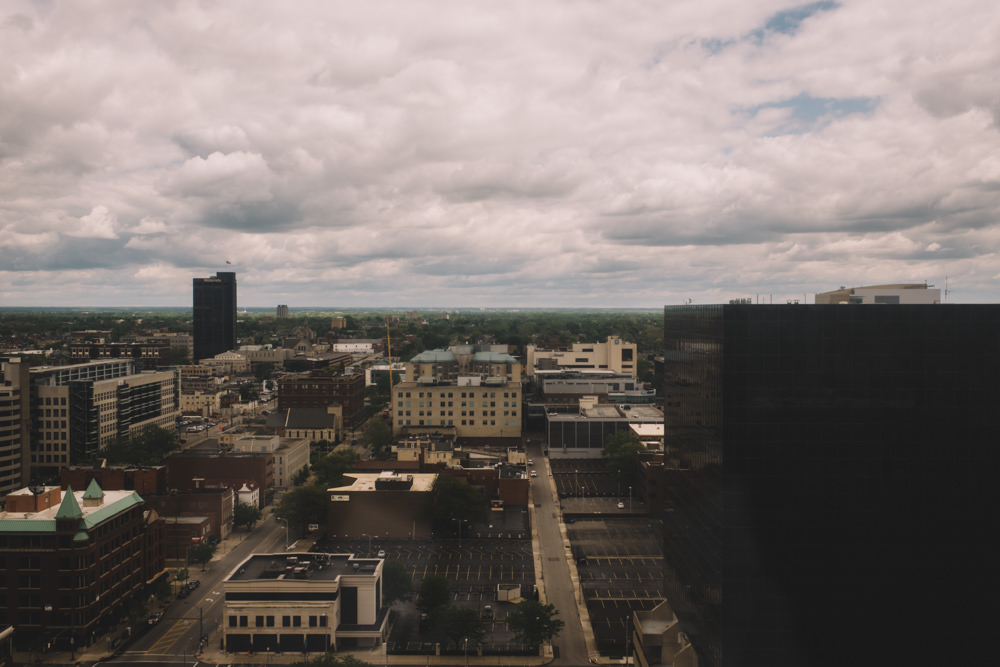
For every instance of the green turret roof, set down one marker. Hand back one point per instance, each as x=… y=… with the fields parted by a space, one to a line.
x=69 y=508
x=94 y=490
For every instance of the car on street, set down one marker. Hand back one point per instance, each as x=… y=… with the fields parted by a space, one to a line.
x=155 y=617
x=534 y=474
x=381 y=553
x=621 y=505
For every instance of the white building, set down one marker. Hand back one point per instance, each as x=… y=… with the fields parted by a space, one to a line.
x=615 y=354
x=304 y=603
x=899 y=293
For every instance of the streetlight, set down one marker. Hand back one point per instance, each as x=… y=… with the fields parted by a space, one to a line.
x=619 y=494
x=369 y=542
x=466 y=652
x=630 y=499
x=284 y=521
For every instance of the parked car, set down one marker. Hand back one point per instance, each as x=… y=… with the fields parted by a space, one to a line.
x=381 y=553
x=155 y=617
x=193 y=584
x=621 y=505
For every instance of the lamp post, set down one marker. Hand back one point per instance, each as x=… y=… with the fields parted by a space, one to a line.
x=630 y=499
x=369 y=542
x=619 y=494
x=284 y=521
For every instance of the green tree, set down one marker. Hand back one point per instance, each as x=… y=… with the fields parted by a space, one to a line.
x=464 y=623
x=202 y=553
x=181 y=575
x=621 y=452
x=149 y=447
x=330 y=469
x=455 y=503
x=303 y=505
x=301 y=477
x=534 y=622
x=247 y=515
x=331 y=660
x=435 y=592
x=396 y=582
x=377 y=436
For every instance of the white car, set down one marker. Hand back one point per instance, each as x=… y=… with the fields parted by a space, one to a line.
x=621 y=505
x=381 y=553
x=534 y=474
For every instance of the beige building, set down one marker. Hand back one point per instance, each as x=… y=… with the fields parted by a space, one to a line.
x=304 y=603
x=290 y=455
x=615 y=354
x=204 y=403
x=474 y=395
x=898 y=293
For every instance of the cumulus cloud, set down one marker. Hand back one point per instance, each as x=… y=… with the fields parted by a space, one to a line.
x=523 y=153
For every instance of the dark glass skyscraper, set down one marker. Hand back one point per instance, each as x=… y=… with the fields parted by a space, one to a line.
x=214 y=315
x=832 y=480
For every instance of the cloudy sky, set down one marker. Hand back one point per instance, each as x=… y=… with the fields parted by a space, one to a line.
x=530 y=154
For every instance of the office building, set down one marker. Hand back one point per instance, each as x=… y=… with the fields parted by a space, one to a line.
x=304 y=603
x=614 y=354
x=214 y=315
x=77 y=410
x=831 y=481
x=897 y=293
x=14 y=421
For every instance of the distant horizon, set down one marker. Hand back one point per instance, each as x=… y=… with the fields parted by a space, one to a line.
x=337 y=309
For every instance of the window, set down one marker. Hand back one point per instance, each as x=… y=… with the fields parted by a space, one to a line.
x=258 y=621
x=243 y=621
x=232 y=621
x=286 y=621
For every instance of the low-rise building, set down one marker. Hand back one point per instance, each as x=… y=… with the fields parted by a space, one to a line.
x=304 y=603
x=396 y=506
x=582 y=434
x=291 y=455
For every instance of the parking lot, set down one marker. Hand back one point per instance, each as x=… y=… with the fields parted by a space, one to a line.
x=489 y=554
x=618 y=550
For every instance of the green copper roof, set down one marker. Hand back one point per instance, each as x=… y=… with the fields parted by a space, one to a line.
x=69 y=508
x=433 y=357
x=94 y=491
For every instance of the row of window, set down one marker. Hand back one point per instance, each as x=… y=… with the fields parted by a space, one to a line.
x=319 y=621
x=462 y=394
x=465 y=413
x=451 y=422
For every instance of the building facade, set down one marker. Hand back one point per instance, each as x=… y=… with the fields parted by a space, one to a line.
x=214 y=327
x=823 y=465
x=14 y=422
x=321 y=390
x=614 y=354
x=77 y=410
x=73 y=560
x=304 y=603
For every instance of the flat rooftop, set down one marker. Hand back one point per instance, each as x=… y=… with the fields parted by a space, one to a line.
x=304 y=566
x=363 y=481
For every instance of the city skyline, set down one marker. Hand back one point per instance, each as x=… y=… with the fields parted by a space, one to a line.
x=624 y=155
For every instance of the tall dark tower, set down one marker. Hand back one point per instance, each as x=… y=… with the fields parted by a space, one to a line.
x=214 y=315
x=831 y=474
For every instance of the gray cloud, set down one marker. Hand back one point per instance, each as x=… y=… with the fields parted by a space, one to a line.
x=513 y=154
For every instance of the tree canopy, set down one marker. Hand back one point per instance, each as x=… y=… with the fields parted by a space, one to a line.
x=455 y=502
x=330 y=468
x=245 y=514
x=396 y=581
x=534 y=622
x=149 y=447
x=303 y=505
x=377 y=436
x=435 y=592
x=621 y=451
